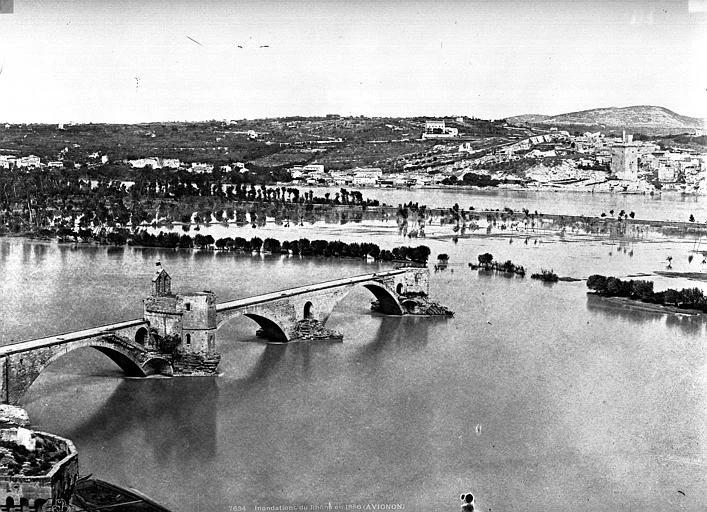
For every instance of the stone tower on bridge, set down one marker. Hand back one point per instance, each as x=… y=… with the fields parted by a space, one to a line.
x=185 y=323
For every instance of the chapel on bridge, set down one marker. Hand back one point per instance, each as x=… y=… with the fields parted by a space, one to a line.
x=189 y=317
x=161 y=282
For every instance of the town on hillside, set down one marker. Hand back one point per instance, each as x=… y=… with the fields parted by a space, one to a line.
x=371 y=152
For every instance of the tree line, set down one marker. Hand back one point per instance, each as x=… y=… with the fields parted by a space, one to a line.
x=642 y=290
x=302 y=246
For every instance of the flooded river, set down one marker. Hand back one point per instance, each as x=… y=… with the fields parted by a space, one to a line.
x=666 y=206
x=533 y=397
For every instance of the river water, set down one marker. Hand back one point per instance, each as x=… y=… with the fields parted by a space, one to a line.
x=666 y=206
x=533 y=397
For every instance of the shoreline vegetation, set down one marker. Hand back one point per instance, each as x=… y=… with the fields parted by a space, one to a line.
x=487 y=263
x=641 y=292
x=42 y=202
x=256 y=245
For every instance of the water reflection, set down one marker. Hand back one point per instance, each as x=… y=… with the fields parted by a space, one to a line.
x=26 y=253
x=610 y=309
x=396 y=334
x=177 y=417
x=266 y=365
x=689 y=324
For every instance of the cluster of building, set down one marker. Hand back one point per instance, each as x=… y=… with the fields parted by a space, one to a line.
x=9 y=161
x=153 y=162
x=556 y=157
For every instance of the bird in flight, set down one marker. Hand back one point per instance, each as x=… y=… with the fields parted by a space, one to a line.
x=194 y=40
x=249 y=43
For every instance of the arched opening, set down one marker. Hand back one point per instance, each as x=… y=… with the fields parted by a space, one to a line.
x=308 y=310
x=269 y=329
x=18 y=387
x=24 y=504
x=188 y=339
x=39 y=504
x=399 y=289
x=388 y=303
x=141 y=336
x=130 y=367
x=157 y=366
x=10 y=503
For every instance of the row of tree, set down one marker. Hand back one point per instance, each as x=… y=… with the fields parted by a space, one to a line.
x=688 y=298
x=303 y=246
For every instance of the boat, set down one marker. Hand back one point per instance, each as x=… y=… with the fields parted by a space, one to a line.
x=94 y=495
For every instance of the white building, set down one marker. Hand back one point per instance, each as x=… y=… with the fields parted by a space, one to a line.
x=437 y=130
x=7 y=161
x=201 y=168
x=432 y=125
x=366 y=176
x=141 y=163
x=314 y=168
x=28 y=161
x=153 y=161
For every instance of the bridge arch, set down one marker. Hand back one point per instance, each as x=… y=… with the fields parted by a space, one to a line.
x=270 y=329
x=141 y=336
x=389 y=303
x=15 y=388
x=308 y=310
x=157 y=366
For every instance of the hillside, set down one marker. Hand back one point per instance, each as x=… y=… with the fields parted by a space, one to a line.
x=635 y=117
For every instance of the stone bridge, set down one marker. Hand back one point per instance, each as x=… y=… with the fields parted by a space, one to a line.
x=177 y=333
x=21 y=363
x=278 y=313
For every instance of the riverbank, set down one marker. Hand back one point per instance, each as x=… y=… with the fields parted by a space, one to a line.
x=628 y=303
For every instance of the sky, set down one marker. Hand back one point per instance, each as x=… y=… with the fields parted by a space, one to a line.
x=149 y=60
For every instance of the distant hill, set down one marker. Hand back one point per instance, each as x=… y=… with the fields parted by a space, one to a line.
x=639 y=117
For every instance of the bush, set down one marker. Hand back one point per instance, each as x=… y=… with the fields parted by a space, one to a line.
x=546 y=276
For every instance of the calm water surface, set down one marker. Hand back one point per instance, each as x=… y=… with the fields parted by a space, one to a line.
x=533 y=397
x=667 y=206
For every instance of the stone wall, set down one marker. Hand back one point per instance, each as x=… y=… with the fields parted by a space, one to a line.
x=198 y=322
x=162 y=314
x=38 y=493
